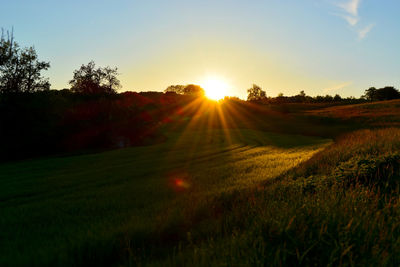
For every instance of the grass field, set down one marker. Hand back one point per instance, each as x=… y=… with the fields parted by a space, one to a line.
x=220 y=196
x=382 y=114
x=97 y=208
x=340 y=207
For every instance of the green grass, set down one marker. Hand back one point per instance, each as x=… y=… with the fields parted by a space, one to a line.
x=341 y=207
x=136 y=204
x=217 y=197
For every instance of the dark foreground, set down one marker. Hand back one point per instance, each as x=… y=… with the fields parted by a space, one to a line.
x=212 y=195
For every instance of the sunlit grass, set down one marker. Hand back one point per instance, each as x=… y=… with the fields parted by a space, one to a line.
x=310 y=216
x=78 y=209
x=213 y=194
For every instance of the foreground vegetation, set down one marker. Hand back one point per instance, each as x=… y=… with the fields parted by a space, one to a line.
x=341 y=207
x=97 y=208
x=229 y=191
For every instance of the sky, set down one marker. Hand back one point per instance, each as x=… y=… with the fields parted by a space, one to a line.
x=285 y=46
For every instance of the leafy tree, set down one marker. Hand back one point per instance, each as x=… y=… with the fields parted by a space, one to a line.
x=232 y=98
x=190 y=89
x=319 y=99
x=255 y=93
x=370 y=94
x=20 y=68
x=337 y=98
x=89 y=79
x=7 y=48
x=193 y=89
x=300 y=98
x=386 y=93
x=178 y=89
x=111 y=82
x=328 y=98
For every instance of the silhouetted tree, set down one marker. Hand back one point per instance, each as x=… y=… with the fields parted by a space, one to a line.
x=91 y=80
x=337 y=98
x=20 y=69
x=328 y=98
x=7 y=48
x=255 y=93
x=190 y=89
x=111 y=81
x=370 y=94
x=300 y=98
x=386 y=93
x=193 y=89
x=319 y=99
x=232 y=98
x=178 y=89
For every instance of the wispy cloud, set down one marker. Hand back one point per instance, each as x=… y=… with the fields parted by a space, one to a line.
x=336 y=87
x=362 y=33
x=351 y=20
x=351 y=7
x=350 y=13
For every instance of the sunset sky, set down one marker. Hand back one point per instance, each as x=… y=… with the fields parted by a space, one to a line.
x=322 y=47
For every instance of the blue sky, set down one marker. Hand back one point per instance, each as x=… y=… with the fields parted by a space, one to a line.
x=322 y=47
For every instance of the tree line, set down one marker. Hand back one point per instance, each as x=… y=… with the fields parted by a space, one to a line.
x=257 y=94
x=21 y=71
x=91 y=115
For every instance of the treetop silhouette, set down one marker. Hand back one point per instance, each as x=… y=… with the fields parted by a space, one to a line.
x=89 y=79
x=190 y=89
x=20 y=68
x=256 y=93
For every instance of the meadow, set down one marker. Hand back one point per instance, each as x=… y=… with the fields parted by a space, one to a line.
x=199 y=133
x=257 y=195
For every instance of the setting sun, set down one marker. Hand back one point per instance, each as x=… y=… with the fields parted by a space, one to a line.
x=215 y=88
x=244 y=133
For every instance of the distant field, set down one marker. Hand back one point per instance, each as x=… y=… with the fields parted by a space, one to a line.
x=384 y=113
x=125 y=205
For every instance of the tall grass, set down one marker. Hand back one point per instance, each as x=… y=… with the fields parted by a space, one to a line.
x=133 y=204
x=309 y=216
x=373 y=153
x=209 y=197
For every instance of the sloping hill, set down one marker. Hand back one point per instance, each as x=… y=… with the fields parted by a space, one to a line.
x=99 y=208
x=383 y=113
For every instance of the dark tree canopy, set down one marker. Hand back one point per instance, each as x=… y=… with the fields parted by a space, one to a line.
x=370 y=93
x=337 y=98
x=190 y=89
x=255 y=93
x=386 y=93
x=301 y=97
x=177 y=89
x=20 y=68
x=89 y=79
x=193 y=89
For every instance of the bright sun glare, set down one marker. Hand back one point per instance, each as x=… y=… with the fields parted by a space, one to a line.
x=215 y=88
